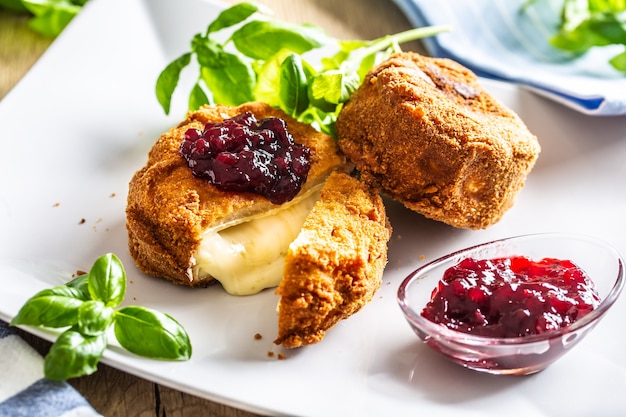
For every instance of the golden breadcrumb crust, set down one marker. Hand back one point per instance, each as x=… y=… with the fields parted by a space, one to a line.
x=335 y=265
x=424 y=131
x=168 y=208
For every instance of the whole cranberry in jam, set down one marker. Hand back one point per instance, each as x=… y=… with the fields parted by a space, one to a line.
x=243 y=154
x=511 y=297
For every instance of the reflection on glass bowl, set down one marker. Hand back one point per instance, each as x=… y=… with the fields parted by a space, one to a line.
x=514 y=355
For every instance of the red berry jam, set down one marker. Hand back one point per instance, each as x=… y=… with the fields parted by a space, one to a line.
x=511 y=297
x=243 y=154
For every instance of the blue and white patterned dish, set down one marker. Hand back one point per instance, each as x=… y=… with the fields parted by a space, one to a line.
x=496 y=40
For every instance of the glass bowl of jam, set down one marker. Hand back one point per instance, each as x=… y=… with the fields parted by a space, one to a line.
x=513 y=306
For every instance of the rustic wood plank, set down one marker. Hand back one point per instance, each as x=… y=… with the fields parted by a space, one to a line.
x=20 y=48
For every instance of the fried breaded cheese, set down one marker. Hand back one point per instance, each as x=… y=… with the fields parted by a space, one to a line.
x=331 y=267
x=336 y=263
x=428 y=134
x=170 y=212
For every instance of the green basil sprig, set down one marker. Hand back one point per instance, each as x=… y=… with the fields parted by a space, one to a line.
x=49 y=17
x=585 y=24
x=86 y=306
x=271 y=61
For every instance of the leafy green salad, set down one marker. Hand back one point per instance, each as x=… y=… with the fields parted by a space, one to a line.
x=585 y=24
x=49 y=17
x=85 y=308
x=245 y=56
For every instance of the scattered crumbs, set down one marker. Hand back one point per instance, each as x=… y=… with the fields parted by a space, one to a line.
x=57 y=204
x=106 y=230
x=422 y=257
x=82 y=221
x=134 y=298
x=99 y=220
x=280 y=356
x=258 y=336
x=388 y=282
x=112 y=195
x=94 y=228
x=399 y=237
x=131 y=281
x=78 y=273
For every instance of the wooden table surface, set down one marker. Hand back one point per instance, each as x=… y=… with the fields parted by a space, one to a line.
x=112 y=392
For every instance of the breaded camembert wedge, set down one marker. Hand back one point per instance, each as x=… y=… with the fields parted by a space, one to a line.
x=187 y=230
x=336 y=263
x=425 y=131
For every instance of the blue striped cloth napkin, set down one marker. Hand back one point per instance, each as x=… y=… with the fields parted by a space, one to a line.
x=495 y=40
x=24 y=392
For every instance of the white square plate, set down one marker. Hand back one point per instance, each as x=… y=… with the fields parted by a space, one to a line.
x=81 y=122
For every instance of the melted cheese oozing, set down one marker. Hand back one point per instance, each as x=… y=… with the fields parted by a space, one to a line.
x=249 y=257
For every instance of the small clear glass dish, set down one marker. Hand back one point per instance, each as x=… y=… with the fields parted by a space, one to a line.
x=516 y=355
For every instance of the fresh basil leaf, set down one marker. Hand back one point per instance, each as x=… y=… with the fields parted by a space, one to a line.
x=81 y=285
x=321 y=120
x=36 y=7
x=50 y=17
x=228 y=76
x=585 y=24
x=368 y=62
x=13 y=5
x=619 y=62
x=331 y=88
x=610 y=27
x=168 y=80
x=256 y=69
x=232 y=16
x=152 y=334
x=232 y=82
x=346 y=47
x=53 y=21
x=612 y=6
x=263 y=39
x=208 y=52
x=293 y=86
x=577 y=42
x=197 y=98
x=107 y=280
x=86 y=305
x=53 y=307
x=325 y=90
x=74 y=355
x=349 y=84
x=94 y=317
x=268 y=77
x=592 y=32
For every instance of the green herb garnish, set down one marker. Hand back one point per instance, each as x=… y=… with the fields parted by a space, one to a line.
x=585 y=24
x=297 y=68
x=50 y=17
x=88 y=307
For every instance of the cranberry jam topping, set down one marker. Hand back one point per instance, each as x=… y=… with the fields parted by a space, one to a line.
x=243 y=154
x=511 y=297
